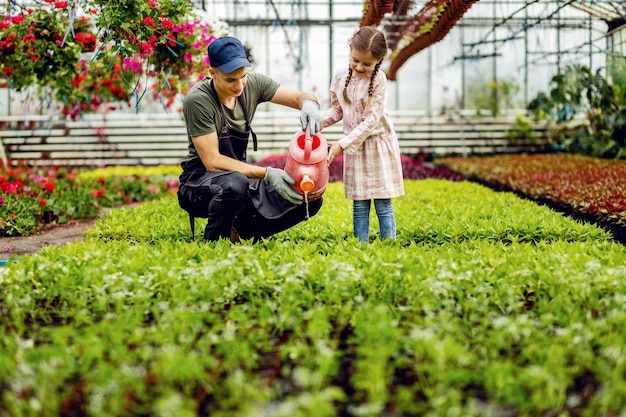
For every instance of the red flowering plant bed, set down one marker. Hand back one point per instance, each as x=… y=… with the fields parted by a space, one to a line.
x=589 y=188
x=33 y=198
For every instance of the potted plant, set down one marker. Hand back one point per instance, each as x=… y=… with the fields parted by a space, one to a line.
x=34 y=48
x=83 y=31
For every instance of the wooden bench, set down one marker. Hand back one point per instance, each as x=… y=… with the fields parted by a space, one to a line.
x=153 y=139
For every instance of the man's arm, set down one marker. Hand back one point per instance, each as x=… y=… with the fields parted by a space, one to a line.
x=208 y=151
x=306 y=102
x=292 y=98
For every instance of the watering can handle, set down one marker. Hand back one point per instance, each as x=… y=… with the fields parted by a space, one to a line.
x=308 y=143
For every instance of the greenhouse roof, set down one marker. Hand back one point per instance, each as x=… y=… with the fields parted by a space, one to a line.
x=603 y=9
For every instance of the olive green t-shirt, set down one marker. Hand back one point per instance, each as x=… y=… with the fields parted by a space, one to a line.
x=202 y=112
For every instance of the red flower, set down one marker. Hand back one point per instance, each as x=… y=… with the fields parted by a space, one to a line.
x=167 y=23
x=42 y=202
x=86 y=39
x=49 y=187
x=60 y=4
x=99 y=193
x=29 y=38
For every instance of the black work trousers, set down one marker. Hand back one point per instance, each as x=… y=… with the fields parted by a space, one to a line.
x=225 y=202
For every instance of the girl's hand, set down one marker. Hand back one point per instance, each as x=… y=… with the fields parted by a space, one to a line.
x=334 y=152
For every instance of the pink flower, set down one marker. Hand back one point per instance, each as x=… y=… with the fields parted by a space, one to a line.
x=188 y=57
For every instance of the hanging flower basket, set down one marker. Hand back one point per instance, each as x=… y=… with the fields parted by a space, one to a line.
x=86 y=40
x=33 y=46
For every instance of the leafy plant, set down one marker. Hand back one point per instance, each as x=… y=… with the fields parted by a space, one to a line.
x=35 y=47
x=522 y=131
x=135 y=46
x=584 y=112
x=487 y=304
x=31 y=199
x=591 y=187
x=498 y=95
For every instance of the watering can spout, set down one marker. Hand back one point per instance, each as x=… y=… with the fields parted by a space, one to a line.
x=307 y=184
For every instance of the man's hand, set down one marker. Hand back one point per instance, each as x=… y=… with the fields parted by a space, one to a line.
x=310 y=114
x=282 y=182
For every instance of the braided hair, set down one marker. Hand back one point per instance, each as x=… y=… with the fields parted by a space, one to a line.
x=367 y=39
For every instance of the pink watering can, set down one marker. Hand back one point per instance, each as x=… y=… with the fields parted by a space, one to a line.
x=307 y=164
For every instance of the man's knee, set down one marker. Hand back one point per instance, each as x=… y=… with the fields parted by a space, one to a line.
x=236 y=186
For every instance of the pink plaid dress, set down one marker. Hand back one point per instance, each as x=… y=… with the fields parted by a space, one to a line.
x=372 y=167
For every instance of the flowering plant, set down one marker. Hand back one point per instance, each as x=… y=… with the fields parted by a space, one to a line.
x=96 y=83
x=183 y=61
x=34 y=46
x=83 y=31
x=162 y=44
x=166 y=38
x=33 y=198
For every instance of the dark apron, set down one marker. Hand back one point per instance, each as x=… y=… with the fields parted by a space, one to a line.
x=232 y=143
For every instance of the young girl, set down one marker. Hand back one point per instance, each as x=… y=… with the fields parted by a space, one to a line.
x=372 y=169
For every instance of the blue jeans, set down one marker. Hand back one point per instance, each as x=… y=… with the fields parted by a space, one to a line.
x=361 y=219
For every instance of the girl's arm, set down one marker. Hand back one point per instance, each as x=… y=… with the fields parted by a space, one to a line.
x=374 y=114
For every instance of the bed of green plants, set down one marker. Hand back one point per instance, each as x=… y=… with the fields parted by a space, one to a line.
x=485 y=305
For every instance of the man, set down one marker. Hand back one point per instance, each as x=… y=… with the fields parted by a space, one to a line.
x=239 y=199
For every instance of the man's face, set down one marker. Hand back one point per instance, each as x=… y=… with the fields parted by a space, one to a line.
x=231 y=84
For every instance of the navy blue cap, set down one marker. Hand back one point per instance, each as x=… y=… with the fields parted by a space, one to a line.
x=227 y=54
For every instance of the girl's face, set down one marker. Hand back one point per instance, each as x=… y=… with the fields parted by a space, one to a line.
x=362 y=62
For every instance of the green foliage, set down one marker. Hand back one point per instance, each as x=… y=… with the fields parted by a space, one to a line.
x=32 y=199
x=496 y=96
x=522 y=131
x=33 y=45
x=141 y=45
x=485 y=305
x=589 y=187
x=585 y=112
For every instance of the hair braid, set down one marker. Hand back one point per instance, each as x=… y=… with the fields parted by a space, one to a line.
x=370 y=90
x=345 y=86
